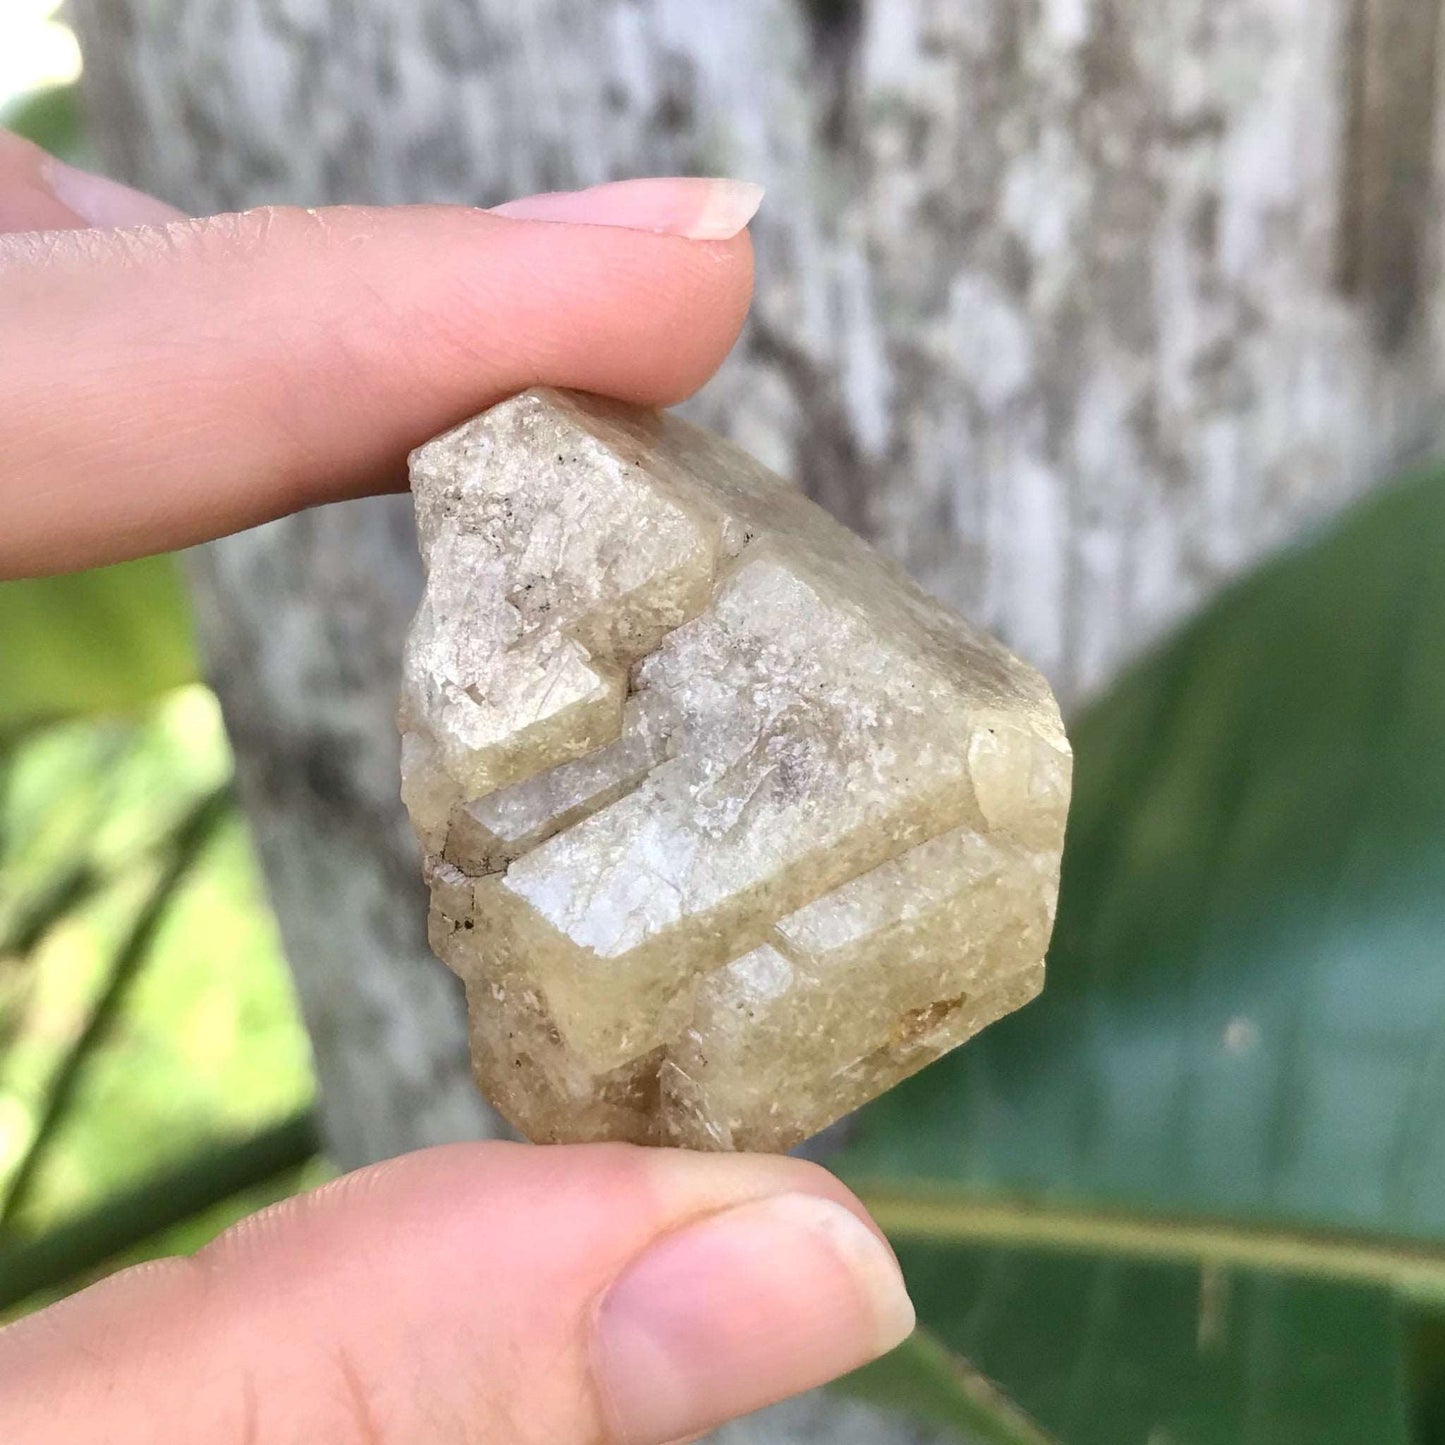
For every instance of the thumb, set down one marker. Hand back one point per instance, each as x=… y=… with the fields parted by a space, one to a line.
x=493 y=1292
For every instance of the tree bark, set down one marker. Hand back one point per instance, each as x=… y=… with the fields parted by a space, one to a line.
x=1076 y=306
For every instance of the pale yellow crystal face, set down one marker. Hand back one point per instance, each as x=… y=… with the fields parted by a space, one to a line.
x=728 y=827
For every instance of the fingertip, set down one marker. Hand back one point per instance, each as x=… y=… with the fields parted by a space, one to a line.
x=641 y=317
x=727 y=281
x=740 y=1309
x=701 y=208
x=99 y=201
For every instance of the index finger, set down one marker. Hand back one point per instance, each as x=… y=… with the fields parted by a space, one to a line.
x=169 y=383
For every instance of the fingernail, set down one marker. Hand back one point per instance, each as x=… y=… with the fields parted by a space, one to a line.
x=100 y=201
x=741 y=1309
x=698 y=208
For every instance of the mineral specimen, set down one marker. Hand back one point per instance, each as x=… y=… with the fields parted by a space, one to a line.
x=728 y=827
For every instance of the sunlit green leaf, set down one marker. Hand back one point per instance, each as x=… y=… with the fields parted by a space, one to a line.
x=186 y=851
x=92 y=642
x=193 y=1188
x=208 y=1042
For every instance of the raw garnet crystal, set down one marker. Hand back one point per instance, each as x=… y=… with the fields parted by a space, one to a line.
x=728 y=827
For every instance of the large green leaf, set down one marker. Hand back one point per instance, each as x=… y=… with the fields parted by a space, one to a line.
x=1244 y=1020
x=1108 y=1352
x=923 y=1378
x=1245 y=1010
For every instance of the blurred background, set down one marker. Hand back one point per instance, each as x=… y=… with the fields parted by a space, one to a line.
x=1120 y=326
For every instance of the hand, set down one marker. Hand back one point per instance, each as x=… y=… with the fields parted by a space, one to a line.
x=178 y=379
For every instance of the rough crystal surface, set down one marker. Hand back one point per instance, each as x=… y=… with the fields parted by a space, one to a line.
x=728 y=827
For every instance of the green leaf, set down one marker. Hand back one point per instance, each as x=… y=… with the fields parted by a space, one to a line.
x=98 y=641
x=49 y=117
x=208 y=1043
x=187 y=847
x=921 y=1212
x=1240 y=1050
x=1245 y=1008
x=161 y=1202
x=1108 y=1352
x=1425 y=1354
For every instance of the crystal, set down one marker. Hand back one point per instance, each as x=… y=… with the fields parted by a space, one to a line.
x=728 y=826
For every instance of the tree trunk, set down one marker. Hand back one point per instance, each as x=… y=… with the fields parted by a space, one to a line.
x=1075 y=306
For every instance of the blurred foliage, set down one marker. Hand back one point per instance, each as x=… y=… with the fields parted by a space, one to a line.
x=98 y=641
x=1244 y=1023
x=206 y=1042
x=183 y=1204
x=50 y=118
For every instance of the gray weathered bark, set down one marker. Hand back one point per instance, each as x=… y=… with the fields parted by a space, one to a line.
x=1075 y=305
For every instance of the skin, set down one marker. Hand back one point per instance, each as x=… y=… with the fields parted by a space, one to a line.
x=165 y=380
